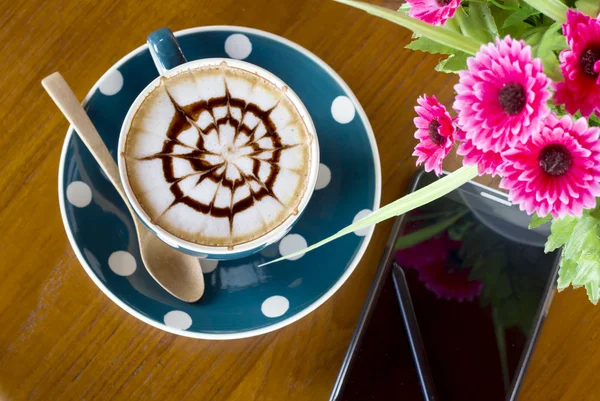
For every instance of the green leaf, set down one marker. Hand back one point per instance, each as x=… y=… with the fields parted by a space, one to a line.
x=537 y=221
x=561 y=229
x=453 y=64
x=588 y=7
x=587 y=271
x=429 y=46
x=583 y=239
x=594 y=121
x=593 y=291
x=477 y=22
x=566 y=273
x=500 y=15
x=580 y=263
x=552 y=41
x=403 y=205
x=481 y=17
x=554 y=9
x=452 y=25
x=518 y=16
x=456 y=61
x=416 y=237
x=516 y=31
x=557 y=109
x=534 y=36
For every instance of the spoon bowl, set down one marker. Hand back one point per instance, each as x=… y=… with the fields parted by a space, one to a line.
x=178 y=273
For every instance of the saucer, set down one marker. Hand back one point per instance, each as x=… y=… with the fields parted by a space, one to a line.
x=241 y=299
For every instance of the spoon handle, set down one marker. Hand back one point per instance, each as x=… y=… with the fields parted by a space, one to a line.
x=62 y=94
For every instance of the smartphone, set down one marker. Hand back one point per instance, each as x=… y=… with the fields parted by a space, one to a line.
x=456 y=305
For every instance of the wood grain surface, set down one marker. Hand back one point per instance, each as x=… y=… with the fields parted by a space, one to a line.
x=61 y=338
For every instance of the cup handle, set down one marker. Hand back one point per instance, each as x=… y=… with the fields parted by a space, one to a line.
x=165 y=50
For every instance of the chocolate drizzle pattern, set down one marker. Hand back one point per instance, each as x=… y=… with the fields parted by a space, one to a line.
x=209 y=164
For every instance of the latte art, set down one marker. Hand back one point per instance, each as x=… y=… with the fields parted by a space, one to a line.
x=218 y=156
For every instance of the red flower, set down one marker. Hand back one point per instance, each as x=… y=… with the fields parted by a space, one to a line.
x=557 y=171
x=434 y=12
x=435 y=132
x=580 y=65
x=501 y=99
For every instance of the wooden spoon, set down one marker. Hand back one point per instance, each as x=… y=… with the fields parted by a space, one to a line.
x=178 y=273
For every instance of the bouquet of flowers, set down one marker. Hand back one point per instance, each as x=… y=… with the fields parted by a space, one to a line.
x=526 y=109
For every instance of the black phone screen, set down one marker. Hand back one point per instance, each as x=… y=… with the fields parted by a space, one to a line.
x=478 y=279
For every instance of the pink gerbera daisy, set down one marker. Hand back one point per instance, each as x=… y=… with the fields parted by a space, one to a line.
x=487 y=162
x=435 y=133
x=434 y=12
x=580 y=65
x=501 y=99
x=557 y=171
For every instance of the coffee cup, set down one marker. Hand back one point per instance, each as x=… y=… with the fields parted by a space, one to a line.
x=218 y=157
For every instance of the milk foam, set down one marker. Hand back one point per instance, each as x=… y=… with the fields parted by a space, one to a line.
x=218 y=156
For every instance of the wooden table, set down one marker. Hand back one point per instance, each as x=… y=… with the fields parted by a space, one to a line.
x=62 y=339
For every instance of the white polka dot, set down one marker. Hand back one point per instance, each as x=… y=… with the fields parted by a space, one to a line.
x=238 y=46
x=79 y=194
x=324 y=177
x=112 y=83
x=342 y=110
x=363 y=231
x=122 y=263
x=292 y=243
x=177 y=319
x=275 y=306
x=209 y=266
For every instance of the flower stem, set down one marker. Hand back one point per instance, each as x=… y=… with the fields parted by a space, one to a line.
x=403 y=205
x=554 y=9
x=438 y=34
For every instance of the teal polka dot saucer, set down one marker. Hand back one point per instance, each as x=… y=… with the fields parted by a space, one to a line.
x=241 y=299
